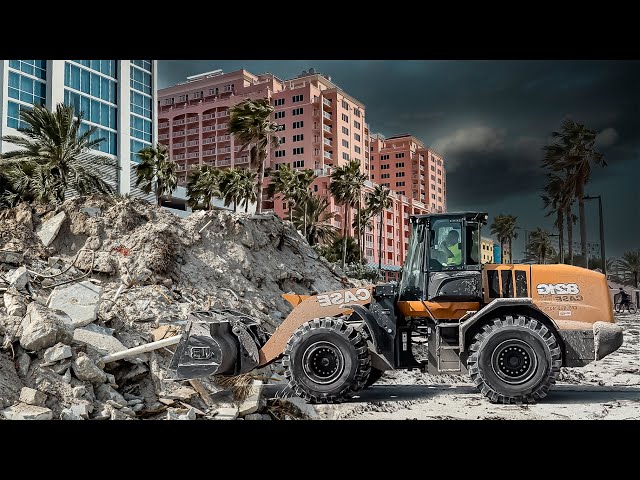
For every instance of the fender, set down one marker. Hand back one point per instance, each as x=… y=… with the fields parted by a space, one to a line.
x=381 y=337
x=495 y=304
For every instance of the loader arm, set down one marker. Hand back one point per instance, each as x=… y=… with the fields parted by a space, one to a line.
x=329 y=304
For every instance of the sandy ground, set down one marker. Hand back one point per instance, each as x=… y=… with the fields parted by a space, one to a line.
x=607 y=389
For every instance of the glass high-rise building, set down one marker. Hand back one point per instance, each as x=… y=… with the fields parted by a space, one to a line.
x=116 y=96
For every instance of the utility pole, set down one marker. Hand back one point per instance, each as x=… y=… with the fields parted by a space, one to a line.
x=602 y=255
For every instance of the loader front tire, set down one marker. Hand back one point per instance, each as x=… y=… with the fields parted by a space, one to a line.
x=326 y=361
x=514 y=359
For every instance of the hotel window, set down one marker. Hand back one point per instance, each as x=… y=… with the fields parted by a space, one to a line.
x=439 y=162
x=298 y=111
x=356 y=137
x=345 y=156
x=197 y=94
x=315 y=188
x=373 y=176
x=401 y=192
x=433 y=177
x=433 y=187
x=298 y=150
x=279 y=115
x=281 y=127
x=298 y=164
x=384 y=175
x=440 y=199
x=298 y=138
x=227 y=88
x=439 y=172
x=356 y=124
x=356 y=112
x=282 y=140
x=214 y=91
x=345 y=144
x=399 y=174
x=297 y=98
x=399 y=184
x=345 y=105
x=280 y=153
x=278 y=102
x=357 y=149
x=440 y=181
x=399 y=155
x=399 y=164
x=345 y=130
x=385 y=185
x=168 y=101
x=345 y=117
x=384 y=167
x=298 y=124
x=433 y=196
x=182 y=98
x=384 y=157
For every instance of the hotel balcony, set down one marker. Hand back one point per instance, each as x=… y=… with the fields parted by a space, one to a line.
x=327 y=102
x=178 y=145
x=223 y=163
x=327 y=155
x=208 y=153
x=178 y=122
x=193 y=131
x=193 y=143
x=164 y=136
x=192 y=119
x=178 y=134
x=327 y=141
x=163 y=125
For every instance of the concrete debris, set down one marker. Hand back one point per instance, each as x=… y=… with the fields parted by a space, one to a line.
x=19 y=278
x=253 y=402
x=257 y=416
x=80 y=301
x=149 y=271
x=49 y=229
x=84 y=369
x=23 y=411
x=302 y=408
x=58 y=352
x=32 y=396
x=12 y=258
x=43 y=328
x=101 y=343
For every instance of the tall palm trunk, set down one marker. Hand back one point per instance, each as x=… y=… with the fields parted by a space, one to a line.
x=635 y=279
x=561 y=236
x=290 y=210
x=583 y=226
x=344 y=235
x=305 y=219
x=510 y=250
x=260 y=180
x=568 y=216
x=501 y=250
x=359 y=231
x=381 y=226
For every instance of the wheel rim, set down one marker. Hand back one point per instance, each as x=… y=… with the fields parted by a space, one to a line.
x=323 y=362
x=514 y=361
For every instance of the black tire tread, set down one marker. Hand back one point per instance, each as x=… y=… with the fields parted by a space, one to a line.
x=363 y=362
x=539 y=329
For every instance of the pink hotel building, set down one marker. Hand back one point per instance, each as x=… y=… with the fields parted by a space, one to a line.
x=321 y=127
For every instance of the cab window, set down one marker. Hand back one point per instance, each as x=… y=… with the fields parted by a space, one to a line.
x=445 y=244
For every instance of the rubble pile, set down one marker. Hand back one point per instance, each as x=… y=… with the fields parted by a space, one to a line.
x=95 y=276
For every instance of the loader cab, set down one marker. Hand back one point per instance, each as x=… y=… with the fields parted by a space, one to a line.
x=444 y=261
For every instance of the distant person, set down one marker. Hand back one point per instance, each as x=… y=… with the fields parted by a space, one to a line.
x=625 y=298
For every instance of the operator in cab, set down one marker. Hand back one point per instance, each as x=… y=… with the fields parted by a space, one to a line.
x=453 y=248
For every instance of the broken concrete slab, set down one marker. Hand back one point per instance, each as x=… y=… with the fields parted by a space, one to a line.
x=253 y=402
x=12 y=258
x=91 y=211
x=80 y=301
x=101 y=343
x=105 y=392
x=93 y=327
x=31 y=396
x=87 y=371
x=304 y=409
x=226 y=413
x=14 y=303
x=43 y=328
x=49 y=229
x=182 y=393
x=138 y=407
x=253 y=416
x=24 y=361
x=68 y=414
x=58 y=352
x=23 y=411
x=19 y=278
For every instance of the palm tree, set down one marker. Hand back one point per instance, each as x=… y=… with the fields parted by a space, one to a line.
x=156 y=172
x=346 y=184
x=377 y=202
x=304 y=180
x=231 y=187
x=504 y=228
x=575 y=153
x=334 y=251
x=363 y=220
x=203 y=186
x=53 y=157
x=630 y=263
x=557 y=200
x=248 y=188
x=251 y=124
x=284 y=182
x=540 y=245
x=312 y=214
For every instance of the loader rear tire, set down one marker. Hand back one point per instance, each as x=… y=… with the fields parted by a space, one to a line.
x=326 y=361
x=514 y=359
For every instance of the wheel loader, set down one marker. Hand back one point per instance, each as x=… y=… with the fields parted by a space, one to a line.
x=510 y=327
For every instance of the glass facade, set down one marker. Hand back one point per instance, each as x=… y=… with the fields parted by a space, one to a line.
x=141 y=106
x=91 y=88
x=27 y=86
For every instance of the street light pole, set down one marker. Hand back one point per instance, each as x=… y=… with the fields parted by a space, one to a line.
x=602 y=255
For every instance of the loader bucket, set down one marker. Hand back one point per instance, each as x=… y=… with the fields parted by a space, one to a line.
x=217 y=343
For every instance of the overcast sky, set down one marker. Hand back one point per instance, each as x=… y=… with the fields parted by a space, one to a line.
x=490 y=119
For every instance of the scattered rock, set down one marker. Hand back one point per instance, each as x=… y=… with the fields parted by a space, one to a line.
x=253 y=416
x=80 y=391
x=138 y=407
x=12 y=258
x=24 y=361
x=133 y=401
x=182 y=393
x=80 y=301
x=304 y=409
x=101 y=343
x=106 y=392
x=14 y=303
x=19 y=278
x=23 y=411
x=32 y=396
x=226 y=413
x=87 y=371
x=49 y=229
x=58 y=352
x=68 y=414
x=253 y=402
x=43 y=327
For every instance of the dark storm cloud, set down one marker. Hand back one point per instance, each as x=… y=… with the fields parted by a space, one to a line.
x=490 y=119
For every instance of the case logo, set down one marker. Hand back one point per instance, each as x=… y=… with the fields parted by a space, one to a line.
x=558 y=289
x=339 y=298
